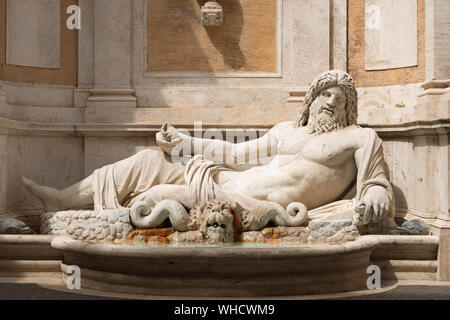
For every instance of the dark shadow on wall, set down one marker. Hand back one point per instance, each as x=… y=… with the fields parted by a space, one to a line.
x=170 y=52
x=172 y=41
x=401 y=204
x=226 y=38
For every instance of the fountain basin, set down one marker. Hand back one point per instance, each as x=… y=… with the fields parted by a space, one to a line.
x=219 y=271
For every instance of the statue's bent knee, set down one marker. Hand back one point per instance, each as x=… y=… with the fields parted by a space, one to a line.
x=150 y=154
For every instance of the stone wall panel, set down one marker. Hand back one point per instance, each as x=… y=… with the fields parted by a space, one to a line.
x=356 y=51
x=177 y=41
x=65 y=75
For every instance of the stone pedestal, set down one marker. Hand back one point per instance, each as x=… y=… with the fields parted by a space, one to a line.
x=124 y=98
x=437 y=39
x=444 y=256
x=434 y=105
x=434 y=102
x=112 y=55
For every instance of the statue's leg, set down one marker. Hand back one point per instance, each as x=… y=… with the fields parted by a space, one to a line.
x=77 y=195
x=132 y=176
x=118 y=184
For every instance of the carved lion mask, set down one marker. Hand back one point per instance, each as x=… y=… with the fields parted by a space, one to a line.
x=217 y=222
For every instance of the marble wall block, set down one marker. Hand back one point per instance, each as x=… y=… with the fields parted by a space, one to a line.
x=110 y=152
x=53 y=161
x=403 y=174
x=310 y=38
x=390 y=34
x=428 y=175
x=33 y=33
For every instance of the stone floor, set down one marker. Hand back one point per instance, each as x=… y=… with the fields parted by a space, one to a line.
x=10 y=289
x=32 y=291
x=408 y=292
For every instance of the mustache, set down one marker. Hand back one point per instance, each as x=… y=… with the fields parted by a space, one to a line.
x=326 y=107
x=321 y=122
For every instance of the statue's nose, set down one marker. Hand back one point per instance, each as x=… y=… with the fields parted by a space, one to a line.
x=332 y=101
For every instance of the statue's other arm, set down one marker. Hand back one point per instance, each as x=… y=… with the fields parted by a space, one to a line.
x=374 y=192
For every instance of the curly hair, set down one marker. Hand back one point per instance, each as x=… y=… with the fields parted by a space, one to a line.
x=332 y=78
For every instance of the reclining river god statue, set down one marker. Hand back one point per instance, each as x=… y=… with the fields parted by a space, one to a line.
x=320 y=167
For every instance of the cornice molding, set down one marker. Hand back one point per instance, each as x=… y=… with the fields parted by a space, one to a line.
x=19 y=128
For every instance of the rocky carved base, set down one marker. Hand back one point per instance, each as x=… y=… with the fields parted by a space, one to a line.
x=107 y=225
x=271 y=235
x=332 y=231
x=219 y=222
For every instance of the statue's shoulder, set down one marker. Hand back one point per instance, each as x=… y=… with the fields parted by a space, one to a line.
x=363 y=134
x=364 y=131
x=284 y=124
x=370 y=132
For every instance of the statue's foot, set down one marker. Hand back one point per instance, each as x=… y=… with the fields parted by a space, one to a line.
x=48 y=196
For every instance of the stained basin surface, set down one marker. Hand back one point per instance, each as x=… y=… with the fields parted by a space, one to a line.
x=235 y=270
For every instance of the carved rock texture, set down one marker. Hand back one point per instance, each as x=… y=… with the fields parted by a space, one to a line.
x=277 y=235
x=219 y=222
x=159 y=235
x=108 y=225
x=186 y=237
x=332 y=231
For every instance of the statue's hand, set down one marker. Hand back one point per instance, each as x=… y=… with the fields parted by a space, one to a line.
x=168 y=138
x=373 y=208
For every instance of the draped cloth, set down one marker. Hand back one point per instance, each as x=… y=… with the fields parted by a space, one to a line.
x=199 y=175
x=115 y=185
x=104 y=189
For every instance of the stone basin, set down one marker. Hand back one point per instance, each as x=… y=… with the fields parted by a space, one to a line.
x=245 y=270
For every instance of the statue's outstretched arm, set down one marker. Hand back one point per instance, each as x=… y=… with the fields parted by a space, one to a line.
x=250 y=152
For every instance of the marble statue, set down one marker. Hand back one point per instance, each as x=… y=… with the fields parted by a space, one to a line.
x=323 y=167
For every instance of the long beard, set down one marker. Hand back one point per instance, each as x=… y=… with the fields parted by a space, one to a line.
x=320 y=122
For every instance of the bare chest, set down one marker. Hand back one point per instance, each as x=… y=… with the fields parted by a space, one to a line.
x=330 y=149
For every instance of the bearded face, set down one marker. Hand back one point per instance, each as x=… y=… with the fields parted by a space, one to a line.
x=217 y=223
x=327 y=112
